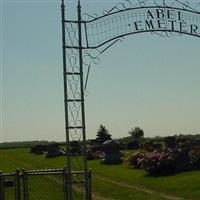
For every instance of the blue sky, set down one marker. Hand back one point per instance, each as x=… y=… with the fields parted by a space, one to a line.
x=145 y=80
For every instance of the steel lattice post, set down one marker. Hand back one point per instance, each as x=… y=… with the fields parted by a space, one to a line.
x=74 y=123
x=87 y=191
x=68 y=164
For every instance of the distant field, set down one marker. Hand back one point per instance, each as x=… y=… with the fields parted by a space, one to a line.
x=111 y=182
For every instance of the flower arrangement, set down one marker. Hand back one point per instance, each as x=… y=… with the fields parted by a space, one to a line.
x=136 y=159
x=168 y=161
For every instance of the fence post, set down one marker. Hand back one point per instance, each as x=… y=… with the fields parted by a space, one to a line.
x=65 y=182
x=25 y=184
x=89 y=181
x=68 y=179
x=1 y=186
x=17 y=186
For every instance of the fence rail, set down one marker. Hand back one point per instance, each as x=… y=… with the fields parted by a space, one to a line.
x=46 y=184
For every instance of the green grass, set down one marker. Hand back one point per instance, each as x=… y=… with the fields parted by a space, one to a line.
x=109 y=182
x=113 y=191
x=185 y=184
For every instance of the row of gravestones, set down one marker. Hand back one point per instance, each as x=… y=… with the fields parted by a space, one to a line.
x=109 y=151
x=172 y=142
x=112 y=154
x=50 y=150
x=184 y=143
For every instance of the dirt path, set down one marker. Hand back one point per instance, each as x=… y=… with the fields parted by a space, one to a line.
x=94 y=196
x=139 y=188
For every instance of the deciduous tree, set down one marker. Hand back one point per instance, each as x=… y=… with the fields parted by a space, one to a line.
x=137 y=133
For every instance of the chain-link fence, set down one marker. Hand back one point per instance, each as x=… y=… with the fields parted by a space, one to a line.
x=7 y=186
x=48 y=184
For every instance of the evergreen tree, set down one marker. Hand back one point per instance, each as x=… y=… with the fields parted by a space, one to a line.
x=103 y=134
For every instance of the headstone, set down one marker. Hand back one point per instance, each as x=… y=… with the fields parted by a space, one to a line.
x=170 y=142
x=133 y=144
x=112 y=153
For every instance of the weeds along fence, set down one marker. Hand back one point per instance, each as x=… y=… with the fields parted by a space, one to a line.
x=50 y=184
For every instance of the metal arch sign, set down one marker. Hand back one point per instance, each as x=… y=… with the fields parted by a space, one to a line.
x=101 y=30
x=81 y=43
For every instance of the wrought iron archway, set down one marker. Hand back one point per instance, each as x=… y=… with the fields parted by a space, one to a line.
x=86 y=38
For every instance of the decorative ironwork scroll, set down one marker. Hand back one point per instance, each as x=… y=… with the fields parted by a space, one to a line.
x=140 y=16
x=144 y=19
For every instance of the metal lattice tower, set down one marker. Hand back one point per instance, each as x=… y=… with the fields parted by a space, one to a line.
x=74 y=107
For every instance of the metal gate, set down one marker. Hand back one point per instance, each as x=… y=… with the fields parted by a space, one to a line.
x=50 y=184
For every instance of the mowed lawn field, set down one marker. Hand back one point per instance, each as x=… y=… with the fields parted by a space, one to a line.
x=109 y=182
